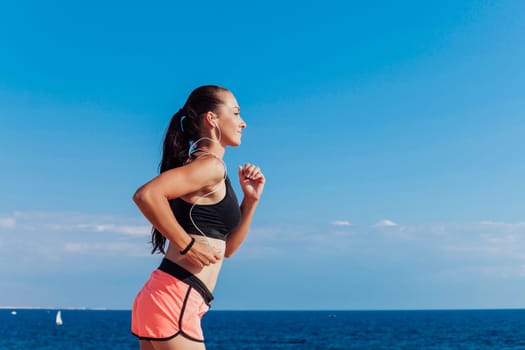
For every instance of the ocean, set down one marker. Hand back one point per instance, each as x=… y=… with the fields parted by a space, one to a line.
x=257 y=330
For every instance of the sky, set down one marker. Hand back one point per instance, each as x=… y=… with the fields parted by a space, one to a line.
x=391 y=135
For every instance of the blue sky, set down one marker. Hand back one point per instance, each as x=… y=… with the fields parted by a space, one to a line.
x=391 y=136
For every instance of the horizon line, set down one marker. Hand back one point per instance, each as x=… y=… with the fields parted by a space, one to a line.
x=82 y=308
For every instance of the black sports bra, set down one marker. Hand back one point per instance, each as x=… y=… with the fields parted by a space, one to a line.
x=214 y=220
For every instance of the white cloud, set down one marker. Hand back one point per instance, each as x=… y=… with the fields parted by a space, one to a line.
x=485 y=247
x=74 y=222
x=127 y=248
x=7 y=222
x=341 y=223
x=509 y=226
x=48 y=237
x=386 y=223
x=503 y=272
x=500 y=238
x=138 y=230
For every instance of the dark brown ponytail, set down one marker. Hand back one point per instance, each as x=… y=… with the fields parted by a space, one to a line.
x=184 y=128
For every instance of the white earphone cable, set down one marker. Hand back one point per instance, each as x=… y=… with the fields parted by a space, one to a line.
x=192 y=150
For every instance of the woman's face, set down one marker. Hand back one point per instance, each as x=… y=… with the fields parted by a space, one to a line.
x=229 y=121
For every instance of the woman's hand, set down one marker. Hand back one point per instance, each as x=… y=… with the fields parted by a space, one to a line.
x=202 y=253
x=252 y=181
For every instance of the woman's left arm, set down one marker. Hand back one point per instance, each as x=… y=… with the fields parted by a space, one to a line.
x=252 y=183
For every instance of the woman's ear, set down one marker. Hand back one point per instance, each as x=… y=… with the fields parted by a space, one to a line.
x=211 y=119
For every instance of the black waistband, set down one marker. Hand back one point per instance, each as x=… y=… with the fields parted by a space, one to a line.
x=187 y=277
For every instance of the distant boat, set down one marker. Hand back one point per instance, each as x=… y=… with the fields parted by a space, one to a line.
x=13 y=313
x=332 y=316
x=59 y=319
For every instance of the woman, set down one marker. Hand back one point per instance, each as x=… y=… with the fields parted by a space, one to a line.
x=191 y=204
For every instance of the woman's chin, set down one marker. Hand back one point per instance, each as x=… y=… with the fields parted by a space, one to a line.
x=235 y=142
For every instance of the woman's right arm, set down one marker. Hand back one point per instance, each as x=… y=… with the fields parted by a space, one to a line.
x=153 y=201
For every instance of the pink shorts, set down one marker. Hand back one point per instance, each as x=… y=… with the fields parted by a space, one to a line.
x=172 y=302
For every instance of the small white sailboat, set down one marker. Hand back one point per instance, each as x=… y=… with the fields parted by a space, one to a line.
x=59 y=318
x=13 y=312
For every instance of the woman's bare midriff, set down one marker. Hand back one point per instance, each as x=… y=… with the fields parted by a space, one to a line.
x=207 y=274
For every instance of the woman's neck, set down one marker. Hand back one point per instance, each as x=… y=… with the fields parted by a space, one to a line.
x=217 y=151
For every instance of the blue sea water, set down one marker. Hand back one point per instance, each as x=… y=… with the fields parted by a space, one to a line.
x=257 y=330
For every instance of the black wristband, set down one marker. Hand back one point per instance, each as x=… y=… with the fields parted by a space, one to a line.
x=188 y=247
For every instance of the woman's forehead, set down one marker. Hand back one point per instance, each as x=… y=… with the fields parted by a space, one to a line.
x=230 y=101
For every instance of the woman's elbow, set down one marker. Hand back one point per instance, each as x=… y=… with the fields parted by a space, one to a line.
x=228 y=253
x=142 y=195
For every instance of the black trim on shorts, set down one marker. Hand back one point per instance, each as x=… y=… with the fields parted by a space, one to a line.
x=159 y=339
x=180 y=331
x=187 y=277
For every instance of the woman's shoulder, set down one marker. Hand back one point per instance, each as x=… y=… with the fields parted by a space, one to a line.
x=207 y=167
